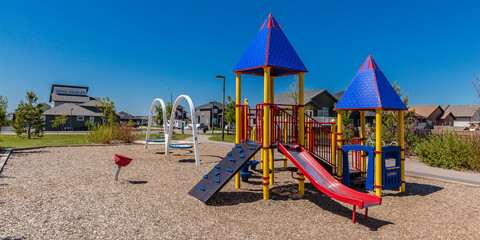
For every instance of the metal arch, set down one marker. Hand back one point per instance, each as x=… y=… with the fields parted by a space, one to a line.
x=194 y=125
x=150 y=116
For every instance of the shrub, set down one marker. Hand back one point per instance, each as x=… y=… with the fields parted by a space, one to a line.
x=112 y=133
x=449 y=150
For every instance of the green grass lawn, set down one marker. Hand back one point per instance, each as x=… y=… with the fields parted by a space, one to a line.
x=218 y=137
x=14 y=141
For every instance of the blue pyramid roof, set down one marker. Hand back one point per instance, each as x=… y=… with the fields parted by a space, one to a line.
x=270 y=47
x=370 y=89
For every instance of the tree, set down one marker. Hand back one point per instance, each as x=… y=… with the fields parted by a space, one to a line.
x=230 y=110
x=109 y=112
x=292 y=92
x=476 y=85
x=390 y=124
x=159 y=110
x=28 y=116
x=59 y=120
x=159 y=117
x=3 y=111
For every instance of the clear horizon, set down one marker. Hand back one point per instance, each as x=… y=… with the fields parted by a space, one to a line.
x=132 y=51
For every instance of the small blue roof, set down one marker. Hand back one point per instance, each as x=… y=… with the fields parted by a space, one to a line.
x=270 y=47
x=370 y=89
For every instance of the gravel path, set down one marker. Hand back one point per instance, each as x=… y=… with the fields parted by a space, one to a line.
x=69 y=193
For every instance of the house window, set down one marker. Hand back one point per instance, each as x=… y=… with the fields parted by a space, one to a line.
x=323 y=112
x=80 y=119
x=92 y=120
x=43 y=118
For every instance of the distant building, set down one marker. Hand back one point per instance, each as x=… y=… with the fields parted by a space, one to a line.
x=210 y=114
x=138 y=120
x=464 y=114
x=433 y=115
x=319 y=103
x=77 y=117
x=74 y=102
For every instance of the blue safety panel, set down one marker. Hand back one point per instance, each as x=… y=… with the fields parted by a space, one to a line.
x=218 y=177
x=346 y=171
x=270 y=47
x=370 y=89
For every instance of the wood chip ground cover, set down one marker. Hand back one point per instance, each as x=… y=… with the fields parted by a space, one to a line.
x=69 y=193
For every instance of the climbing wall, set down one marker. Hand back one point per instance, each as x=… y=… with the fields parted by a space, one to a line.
x=222 y=172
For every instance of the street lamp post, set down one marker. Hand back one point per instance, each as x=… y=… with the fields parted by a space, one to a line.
x=71 y=116
x=171 y=97
x=223 y=106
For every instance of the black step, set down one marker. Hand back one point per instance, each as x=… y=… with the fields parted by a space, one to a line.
x=218 y=177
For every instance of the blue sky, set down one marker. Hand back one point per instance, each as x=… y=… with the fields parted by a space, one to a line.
x=132 y=50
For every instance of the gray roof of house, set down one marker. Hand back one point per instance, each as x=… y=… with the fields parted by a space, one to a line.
x=92 y=102
x=286 y=98
x=46 y=106
x=210 y=105
x=69 y=98
x=462 y=110
x=71 y=109
x=338 y=95
x=124 y=115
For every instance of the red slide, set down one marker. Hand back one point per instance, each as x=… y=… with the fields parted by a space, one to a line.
x=326 y=183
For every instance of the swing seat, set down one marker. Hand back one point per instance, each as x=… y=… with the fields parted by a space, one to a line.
x=156 y=140
x=180 y=145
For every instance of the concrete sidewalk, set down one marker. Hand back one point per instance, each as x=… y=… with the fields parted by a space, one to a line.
x=418 y=169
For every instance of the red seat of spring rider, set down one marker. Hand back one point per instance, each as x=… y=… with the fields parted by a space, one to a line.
x=121 y=160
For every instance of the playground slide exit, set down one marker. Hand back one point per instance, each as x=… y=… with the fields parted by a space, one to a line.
x=325 y=182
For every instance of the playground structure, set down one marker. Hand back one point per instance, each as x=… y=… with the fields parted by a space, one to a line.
x=315 y=148
x=168 y=135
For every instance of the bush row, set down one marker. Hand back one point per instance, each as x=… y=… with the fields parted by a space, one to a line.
x=450 y=150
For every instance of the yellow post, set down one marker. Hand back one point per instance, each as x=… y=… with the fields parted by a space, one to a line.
x=266 y=132
x=301 y=130
x=252 y=137
x=285 y=140
x=363 y=135
x=334 y=139
x=339 y=145
x=270 y=151
x=378 y=152
x=245 y=118
x=238 y=123
x=401 y=140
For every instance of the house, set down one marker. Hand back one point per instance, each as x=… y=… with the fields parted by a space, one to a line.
x=209 y=114
x=74 y=102
x=355 y=115
x=433 y=115
x=77 y=116
x=464 y=114
x=137 y=120
x=318 y=103
x=181 y=113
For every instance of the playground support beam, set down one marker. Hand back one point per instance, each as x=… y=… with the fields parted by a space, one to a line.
x=270 y=151
x=401 y=140
x=339 y=144
x=301 y=126
x=334 y=139
x=363 y=135
x=266 y=132
x=378 y=152
x=238 y=127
